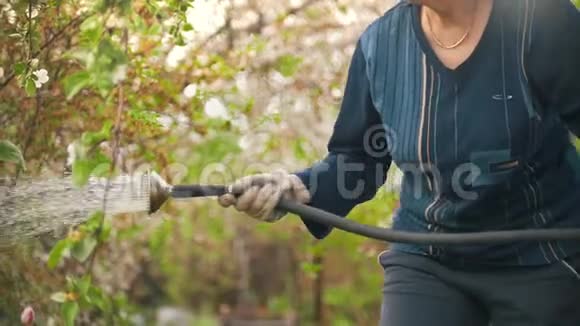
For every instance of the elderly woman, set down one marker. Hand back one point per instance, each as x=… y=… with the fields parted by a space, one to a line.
x=477 y=99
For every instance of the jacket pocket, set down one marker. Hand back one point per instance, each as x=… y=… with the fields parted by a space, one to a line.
x=380 y=257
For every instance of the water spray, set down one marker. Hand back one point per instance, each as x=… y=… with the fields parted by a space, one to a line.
x=160 y=191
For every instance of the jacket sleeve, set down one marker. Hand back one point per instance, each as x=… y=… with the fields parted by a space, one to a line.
x=358 y=157
x=554 y=66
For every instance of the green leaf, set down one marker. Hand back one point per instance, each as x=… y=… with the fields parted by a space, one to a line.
x=310 y=269
x=75 y=83
x=83 y=249
x=82 y=285
x=299 y=151
x=58 y=297
x=55 y=255
x=110 y=54
x=160 y=235
x=91 y=23
x=94 y=221
x=19 y=68
x=106 y=231
x=81 y=172
x=288 y=65
x=10 y=153
x=187 y=27
x=30 y=87
x=96 y=297
x=93 y=138
x=179 y=40
x=70 y=310
x=102 y=170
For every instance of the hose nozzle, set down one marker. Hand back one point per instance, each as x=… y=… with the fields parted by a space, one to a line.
x=159 y=191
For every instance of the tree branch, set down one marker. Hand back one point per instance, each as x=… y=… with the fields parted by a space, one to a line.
x=73 y=23
x=116 y=144
x=225 y=26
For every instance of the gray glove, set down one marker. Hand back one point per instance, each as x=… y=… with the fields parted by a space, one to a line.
x=262 y=192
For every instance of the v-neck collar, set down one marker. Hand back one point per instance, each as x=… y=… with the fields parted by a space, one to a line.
x=430 y=53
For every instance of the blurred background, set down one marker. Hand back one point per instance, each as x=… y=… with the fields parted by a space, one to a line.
x=203 y=90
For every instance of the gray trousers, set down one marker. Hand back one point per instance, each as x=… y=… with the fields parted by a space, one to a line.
x=420 y=291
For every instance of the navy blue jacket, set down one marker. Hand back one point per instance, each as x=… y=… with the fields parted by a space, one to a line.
x=485 y=146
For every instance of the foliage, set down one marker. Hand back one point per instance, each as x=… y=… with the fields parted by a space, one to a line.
x=103 y=82
x=10 y=153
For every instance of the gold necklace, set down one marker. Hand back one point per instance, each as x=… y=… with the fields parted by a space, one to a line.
x=456 y=44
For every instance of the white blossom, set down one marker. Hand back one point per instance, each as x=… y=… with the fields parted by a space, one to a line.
x=245 y=143
x=72 y=154
x=176 y=55
x=241 y=122
x=165 y=121
x=34 y=13
x=41 y=77
x=134 y=43
x=119 y=74
x=195 y=137
x=203 y=59
x=214 y=108
x=190 y=90
x=115 y=22
x=206 y=16
x=10 y=14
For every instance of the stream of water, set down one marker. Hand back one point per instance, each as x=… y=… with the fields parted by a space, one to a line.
x=51 y=206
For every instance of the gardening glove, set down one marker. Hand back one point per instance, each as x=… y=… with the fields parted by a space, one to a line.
x=261 y=193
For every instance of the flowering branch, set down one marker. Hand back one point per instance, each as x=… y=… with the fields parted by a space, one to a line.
x=73 y=23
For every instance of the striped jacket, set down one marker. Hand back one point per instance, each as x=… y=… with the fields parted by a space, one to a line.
x=485 y=146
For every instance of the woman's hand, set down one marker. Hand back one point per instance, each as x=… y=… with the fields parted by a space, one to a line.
x=261 y=193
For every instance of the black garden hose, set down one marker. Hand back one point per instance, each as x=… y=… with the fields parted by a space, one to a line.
x=440 y=239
